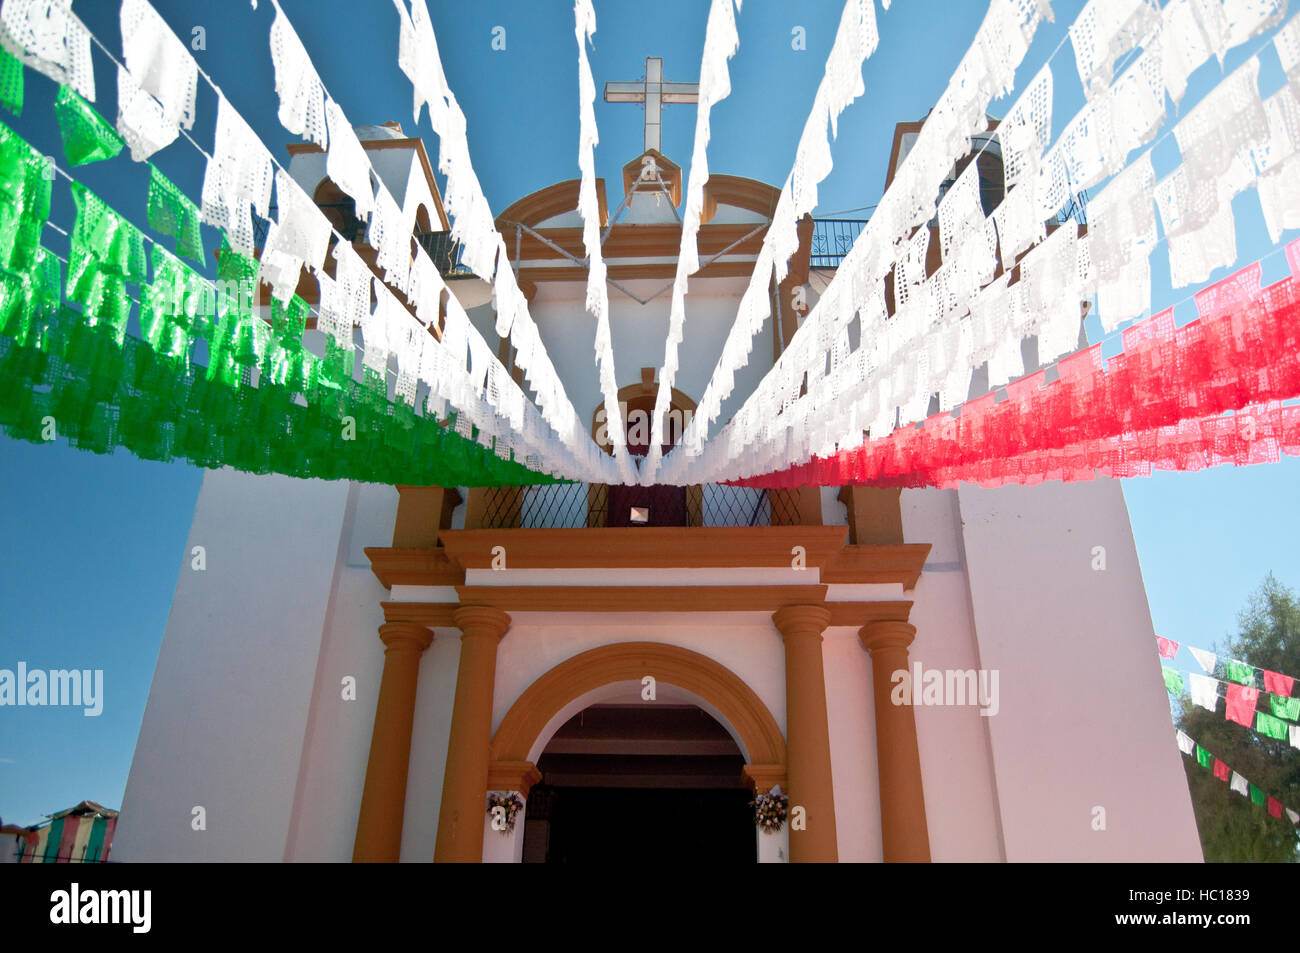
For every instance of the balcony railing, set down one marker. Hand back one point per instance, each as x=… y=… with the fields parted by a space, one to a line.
x=583 y=505
x=446 y=254
x=832 y=238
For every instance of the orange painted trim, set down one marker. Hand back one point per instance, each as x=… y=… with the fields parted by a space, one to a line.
x=410 y=142
x=763 y=777
x=802 y=257
x=740 y=192
x=414 y=567
x=513 y=776
x=877 y=564
x=717 y=269
x=760 y=737
x=641 y=241
x=900 y=130
x=440 y=614
x=645 y=390
x=862 y=613
x=639 y=598
x=670 y=173
x=546 y=203
x=434 y=615
x=651 y=547
x=383 y=798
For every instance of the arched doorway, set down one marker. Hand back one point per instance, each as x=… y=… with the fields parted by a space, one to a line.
x=654 y=780
x=616 y=675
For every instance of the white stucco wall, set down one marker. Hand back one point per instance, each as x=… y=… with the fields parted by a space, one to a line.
x=227 y=711
x=337 y=740
x=852 y=724
x=399 y=169
x=637 y=333
x=960 y=788
x=745 y=642
x=1084 y=720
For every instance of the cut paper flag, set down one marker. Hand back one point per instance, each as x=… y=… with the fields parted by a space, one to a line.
x=1239 y=671
x=1174 y=680
x=87 y=136
x=1207 y=660
x=1295 y=736
x=1241 y=704
x=173 y=213
x=1205 y=691
x=1168 y=647
x=1236 y=782
x=1266 y=724
x=11 y=82
x=1288 y=708
x=50 y=39
x=156 y=85
x=1278 y=684
x=1240 y=785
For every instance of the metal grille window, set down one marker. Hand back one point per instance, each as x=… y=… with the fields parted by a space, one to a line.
x=582 y=505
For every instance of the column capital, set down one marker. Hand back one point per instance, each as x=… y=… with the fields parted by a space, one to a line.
x=481 y=620
x=405 y=635
x=801 y=620
x=763 y=777
x=513 y=776
x=883 y=634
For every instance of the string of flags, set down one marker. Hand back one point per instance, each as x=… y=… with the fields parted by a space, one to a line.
x=1244 y=701
x=1242 y=704
x=1209 y=392
x=1241 y=672
x=1236 y=781
x=494 y=412
x=824 y=393
x=79 y=370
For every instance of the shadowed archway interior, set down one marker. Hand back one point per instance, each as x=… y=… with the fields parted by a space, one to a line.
x=628 y=783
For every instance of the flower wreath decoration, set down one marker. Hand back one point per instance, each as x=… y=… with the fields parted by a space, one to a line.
x=770 y=810
x=508 y=801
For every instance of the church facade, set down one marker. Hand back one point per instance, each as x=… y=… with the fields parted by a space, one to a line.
x=362 y=672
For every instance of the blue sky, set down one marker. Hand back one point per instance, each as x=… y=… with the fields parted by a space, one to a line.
x=93 y=544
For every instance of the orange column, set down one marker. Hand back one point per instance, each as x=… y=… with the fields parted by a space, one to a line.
x=808 y=742
x=902 y=799
x=383 y=800
x=464 y=785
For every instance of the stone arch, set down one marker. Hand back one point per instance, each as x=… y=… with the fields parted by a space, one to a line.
x=741 y=711
x=642 y=396
x=557 y=199
x=340 y=208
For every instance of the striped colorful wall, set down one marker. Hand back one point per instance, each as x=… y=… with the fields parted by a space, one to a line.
x=71 y=840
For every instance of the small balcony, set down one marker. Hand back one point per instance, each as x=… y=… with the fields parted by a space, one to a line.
x=589 y=506
x=445 y=253
x=831 y=240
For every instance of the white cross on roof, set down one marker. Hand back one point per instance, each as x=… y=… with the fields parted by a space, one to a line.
x=655 y=93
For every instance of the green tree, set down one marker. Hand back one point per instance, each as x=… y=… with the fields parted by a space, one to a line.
x=1231 y=827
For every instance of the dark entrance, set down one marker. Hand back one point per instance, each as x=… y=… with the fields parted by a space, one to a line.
x=646 y=505
x=636 y=784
